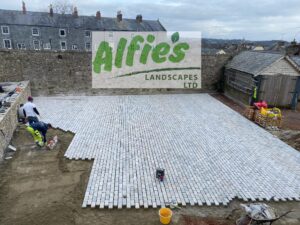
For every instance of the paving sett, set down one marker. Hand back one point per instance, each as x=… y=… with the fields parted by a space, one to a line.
x=210 y=153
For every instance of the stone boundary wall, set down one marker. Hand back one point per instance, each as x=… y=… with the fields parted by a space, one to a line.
x=61 y=73
x=9 y=120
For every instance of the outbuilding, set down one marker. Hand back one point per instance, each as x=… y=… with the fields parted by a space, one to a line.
x=268 y=76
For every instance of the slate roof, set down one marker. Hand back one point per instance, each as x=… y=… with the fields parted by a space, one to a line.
x=253 y=62
x=13 y=17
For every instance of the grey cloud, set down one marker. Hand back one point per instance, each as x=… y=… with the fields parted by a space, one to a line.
x=256 y=19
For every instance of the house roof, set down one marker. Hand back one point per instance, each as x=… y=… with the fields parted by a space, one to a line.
x=209 y=51
x=253 y=62
x=13 y=17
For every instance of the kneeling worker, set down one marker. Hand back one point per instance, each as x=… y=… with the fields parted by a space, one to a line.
x=39 y=130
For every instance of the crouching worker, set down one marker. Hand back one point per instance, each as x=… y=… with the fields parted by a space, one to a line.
x=38 y=130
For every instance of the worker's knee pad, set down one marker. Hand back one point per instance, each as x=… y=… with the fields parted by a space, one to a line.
x=37 y=134
x=38 y=137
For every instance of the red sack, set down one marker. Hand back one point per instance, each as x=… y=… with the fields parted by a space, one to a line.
x=261 y=104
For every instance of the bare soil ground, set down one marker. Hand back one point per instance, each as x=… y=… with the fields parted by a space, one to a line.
x=190 y=220
x=39 y=186
x=290 y=130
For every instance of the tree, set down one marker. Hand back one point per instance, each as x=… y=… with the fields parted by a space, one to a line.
x=62 y=7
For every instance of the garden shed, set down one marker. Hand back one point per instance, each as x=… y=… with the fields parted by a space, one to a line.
x=268 y=76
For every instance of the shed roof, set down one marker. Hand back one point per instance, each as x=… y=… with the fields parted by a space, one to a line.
x=13 y=17
x=253 y=62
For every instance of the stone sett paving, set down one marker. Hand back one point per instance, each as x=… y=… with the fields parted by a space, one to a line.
x=210 y=153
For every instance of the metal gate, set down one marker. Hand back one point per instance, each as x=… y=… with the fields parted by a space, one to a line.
x=277 y=90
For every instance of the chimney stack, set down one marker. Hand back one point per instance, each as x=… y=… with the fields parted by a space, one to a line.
x=119 y=16
x=98 y=15
x=23 y=7
x=75 y=12
x=139 y=18
x=51 y=10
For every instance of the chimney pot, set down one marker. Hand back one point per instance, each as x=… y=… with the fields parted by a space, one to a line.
x=98 y=15
x=51 y=10
x=139 y=18
x=23 y=7
x=75 y=12
x=119 y=16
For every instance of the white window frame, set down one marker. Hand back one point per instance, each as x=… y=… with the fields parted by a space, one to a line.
x=38 y=31
x=88 y=49
x=47 y=46
x=34 y=45
x=9 y=43
x=74 y=46
x=23 y=46
x=59 y=32
x=65 y=45
x=7 y=29
x=87 y=36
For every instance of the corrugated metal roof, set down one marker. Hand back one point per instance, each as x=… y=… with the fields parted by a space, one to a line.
x=12 y=17
x=253 y=62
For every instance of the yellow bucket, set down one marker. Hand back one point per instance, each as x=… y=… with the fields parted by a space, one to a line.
x=165 y=215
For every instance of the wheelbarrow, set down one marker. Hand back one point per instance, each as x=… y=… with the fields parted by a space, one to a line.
x=248 y=220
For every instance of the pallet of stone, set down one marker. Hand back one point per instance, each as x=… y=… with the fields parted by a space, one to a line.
x=266 y=121
x=249 y=112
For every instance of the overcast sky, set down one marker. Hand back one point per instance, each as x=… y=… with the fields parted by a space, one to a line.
x=249 y=19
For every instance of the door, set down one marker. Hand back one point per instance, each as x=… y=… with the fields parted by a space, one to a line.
x=278 y=90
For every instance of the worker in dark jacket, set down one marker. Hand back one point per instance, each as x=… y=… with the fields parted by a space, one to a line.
x=39 y=130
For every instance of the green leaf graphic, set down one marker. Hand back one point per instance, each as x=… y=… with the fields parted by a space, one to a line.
x=175 y=37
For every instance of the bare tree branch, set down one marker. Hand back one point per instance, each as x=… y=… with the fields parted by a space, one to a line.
x=62 y=7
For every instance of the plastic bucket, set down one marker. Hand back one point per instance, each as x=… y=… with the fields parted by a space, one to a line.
x=165 y=215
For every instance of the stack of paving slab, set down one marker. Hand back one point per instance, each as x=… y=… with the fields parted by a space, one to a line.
x=210 y=153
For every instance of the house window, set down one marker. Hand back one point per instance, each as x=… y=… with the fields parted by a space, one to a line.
x=47 y=46
x=88 y=46
x=63 y=45
x=7 y=43
x=62 y=32
x=87 y=33
x=74 y=47
x=35 y=32
x=36 y=45
x=5 y=29
x=21 y=46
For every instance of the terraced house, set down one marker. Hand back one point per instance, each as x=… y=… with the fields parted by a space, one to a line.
x=51 y=31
